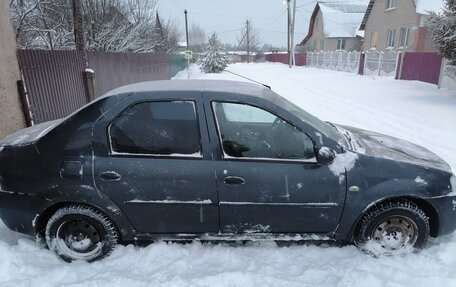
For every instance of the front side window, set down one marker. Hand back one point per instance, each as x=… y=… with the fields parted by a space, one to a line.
x=157 y=128
x=250 y=132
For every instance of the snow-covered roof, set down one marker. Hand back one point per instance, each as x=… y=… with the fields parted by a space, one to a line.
x=426 y=6
x=342 y=18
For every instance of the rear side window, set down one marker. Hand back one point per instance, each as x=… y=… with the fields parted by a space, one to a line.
x=157 y=128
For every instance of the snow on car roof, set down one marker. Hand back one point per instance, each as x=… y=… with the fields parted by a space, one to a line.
x=193 y=85
x=426 y=6
x=342 y=19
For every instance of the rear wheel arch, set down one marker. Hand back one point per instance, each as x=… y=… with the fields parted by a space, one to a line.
x=45 y=215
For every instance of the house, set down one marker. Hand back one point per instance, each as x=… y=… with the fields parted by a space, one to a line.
x=399 y=25
x=334 y=25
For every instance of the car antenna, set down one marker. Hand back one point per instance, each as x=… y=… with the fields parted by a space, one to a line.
x=269 y=87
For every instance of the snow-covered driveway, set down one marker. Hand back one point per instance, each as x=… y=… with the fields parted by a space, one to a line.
x=414 y=111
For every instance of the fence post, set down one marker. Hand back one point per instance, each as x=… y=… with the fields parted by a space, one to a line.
x=442 y=68
x=89 y=84
x=380 y=57
x=399 y=63
x=366 y=58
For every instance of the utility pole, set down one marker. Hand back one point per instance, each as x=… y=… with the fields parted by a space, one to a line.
x=289 y=33
x=78 y=26
x=186 y=27
x=247 y=39
x=292 y=34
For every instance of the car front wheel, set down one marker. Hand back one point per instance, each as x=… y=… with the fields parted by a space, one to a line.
x=393 y=228
x=78 y=232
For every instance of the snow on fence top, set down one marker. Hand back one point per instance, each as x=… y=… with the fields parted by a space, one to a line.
x=342 y=19
x=426 y=6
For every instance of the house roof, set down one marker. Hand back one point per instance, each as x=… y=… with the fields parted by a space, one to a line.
x=422 y=7
x=341 y=18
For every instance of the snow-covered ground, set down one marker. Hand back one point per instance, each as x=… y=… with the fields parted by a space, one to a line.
x=414 y=111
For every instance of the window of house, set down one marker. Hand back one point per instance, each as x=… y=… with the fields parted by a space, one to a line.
x=250 y=132
x=322 y=44
x=374 y=39
x=404 y=37
x=390 y=4
x=341 y=44
x=390 y=38
x=157 y=128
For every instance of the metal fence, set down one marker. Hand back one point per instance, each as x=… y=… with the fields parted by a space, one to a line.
x=54 y=80
x=335 y=60
x=114 y=69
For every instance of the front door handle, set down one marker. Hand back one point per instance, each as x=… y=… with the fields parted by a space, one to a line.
x=110 y=176
x=233 y=180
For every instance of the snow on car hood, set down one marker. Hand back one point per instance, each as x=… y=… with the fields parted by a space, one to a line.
x=29 y=135
x=388 y=147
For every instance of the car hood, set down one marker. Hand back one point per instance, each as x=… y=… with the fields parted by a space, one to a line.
x=388 y=147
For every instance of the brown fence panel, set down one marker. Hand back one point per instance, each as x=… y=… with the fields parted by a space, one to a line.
x=54 y=82
x=423 y=67
x=115 y=69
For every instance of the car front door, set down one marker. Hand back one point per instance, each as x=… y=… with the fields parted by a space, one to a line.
x=267 y=175
x=151 y=158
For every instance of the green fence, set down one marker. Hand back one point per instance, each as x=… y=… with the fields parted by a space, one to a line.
x=177 y=63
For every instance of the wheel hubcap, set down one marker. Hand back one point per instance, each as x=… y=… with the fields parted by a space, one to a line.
x=78 y=238
x=395 y=232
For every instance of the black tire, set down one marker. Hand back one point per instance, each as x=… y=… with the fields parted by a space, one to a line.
x=391 y=228
x=78 y=232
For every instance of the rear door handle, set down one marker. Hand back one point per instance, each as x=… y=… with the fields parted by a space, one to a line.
x=110 y=176
x=232 y=180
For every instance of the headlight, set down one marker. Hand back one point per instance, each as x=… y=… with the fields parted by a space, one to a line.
x=453 y=184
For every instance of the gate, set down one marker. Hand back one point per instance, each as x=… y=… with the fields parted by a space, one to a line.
x=54 y=82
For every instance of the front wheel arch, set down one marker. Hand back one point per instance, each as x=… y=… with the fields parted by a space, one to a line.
x=428 y=209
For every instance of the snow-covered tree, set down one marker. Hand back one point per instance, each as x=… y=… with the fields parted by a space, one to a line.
x=110 y=25
x=213 y=59
x=443 y=27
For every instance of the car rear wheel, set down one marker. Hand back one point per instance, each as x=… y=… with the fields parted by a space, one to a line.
x=393 y=228
x=78 y=232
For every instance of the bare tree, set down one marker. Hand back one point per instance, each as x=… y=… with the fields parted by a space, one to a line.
x=110 y=25
x=249 y=39
x=197 y=38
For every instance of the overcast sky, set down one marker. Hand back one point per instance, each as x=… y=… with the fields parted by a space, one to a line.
x=227 y=18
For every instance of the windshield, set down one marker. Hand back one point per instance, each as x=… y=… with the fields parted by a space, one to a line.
x=309 y=119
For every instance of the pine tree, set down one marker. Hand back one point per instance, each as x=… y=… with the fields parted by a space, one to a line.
x=213 y=60
x=443 y=27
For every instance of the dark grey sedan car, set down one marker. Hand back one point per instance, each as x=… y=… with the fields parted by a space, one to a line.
x=217 y=160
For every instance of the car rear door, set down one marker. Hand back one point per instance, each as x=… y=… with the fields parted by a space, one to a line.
x=267 y=175
x=151 y=157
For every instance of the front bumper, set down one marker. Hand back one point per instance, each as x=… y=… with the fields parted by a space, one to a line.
x=446 y=211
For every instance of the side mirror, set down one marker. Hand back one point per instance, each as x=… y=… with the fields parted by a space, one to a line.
x=325 y=156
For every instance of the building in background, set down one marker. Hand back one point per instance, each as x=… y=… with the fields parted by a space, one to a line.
x=399 y=25
x=334 y=25
x=11 y=115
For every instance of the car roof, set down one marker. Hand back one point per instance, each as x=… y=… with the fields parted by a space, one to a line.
x=194 y=85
